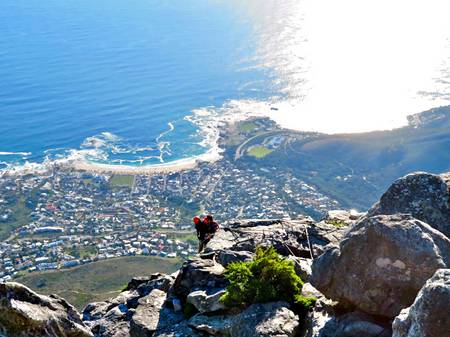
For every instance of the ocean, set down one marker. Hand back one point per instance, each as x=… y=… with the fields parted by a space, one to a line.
x=144 y=82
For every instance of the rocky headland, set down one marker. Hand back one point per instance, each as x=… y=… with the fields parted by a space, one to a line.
x=382 y=273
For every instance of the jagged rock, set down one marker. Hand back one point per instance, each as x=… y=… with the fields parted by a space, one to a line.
x=122 y=298
x=212 y=325
x=136 y=281
x=423 y=195
x=149 y=316
x=205 y=303
x=356 y=324
x=302 y=267
x=289 y=237
x=95 y=310
x=25 y=313
x=322 y=235
x=258 y=320
x=164 y=282
x=179 y=330
x=145 y=320
x=325 y=321
x=381 y=264
x=198 y=274
x=112 y=317
x=112 y=329
x=247 y=235
x=344 y=216
x=429 y=315
x=319 y=322
x=115 y=323
x=226 y=256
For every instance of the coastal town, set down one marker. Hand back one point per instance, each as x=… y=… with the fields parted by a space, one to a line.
x=62 y=218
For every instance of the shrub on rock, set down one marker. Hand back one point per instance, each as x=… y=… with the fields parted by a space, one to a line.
x=266 y=278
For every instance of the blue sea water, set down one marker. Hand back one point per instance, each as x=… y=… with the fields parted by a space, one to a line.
x=114 y=81
x=119 y=76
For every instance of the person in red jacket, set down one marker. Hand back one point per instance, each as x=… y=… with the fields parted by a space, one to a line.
x=206 y=229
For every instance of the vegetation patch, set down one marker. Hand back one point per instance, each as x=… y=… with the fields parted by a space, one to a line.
x=97 y=281
x=20 y=216
x=247 y=127
x=258 y=151
x=182 y=235
x=336 y=223
x=119 y=180
x=267 y=278
x=185 y=210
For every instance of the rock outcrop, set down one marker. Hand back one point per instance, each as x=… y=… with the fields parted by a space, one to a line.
x=138 y=311
x=423 y=195
x=363 y=269
x=154 y=305
x=381 y=263
x=258 y=320
x=205 y=303
x=198 y=274
x=429 y=315
x=24 y=313
x=301 y=237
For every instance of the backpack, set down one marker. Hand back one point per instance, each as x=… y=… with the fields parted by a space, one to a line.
x=214 y=227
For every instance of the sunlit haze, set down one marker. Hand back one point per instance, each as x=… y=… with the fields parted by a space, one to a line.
x=351 y=66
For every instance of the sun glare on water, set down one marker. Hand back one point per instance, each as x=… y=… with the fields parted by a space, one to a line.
x=352 y=66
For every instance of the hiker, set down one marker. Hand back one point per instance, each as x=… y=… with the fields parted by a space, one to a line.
x=206 y=229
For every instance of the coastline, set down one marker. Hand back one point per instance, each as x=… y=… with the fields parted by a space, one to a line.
x=164 y=168
x=208 y=119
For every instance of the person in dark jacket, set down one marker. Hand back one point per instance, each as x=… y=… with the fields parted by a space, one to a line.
x=206 y=229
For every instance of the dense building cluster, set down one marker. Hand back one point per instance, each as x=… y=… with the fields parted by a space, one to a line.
x=71 y=218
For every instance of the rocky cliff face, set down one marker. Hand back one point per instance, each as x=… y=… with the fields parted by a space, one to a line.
x=366 y=270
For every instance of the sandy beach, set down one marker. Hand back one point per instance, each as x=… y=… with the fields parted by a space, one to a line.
x=126 y=169
x=164 y=168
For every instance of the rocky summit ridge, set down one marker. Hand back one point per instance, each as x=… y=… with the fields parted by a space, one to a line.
x=382 y=273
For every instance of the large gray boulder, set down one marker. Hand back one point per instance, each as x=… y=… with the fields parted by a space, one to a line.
x=381 y=263
x=146 y=319
x=325 y=320
x=153 y=317
x=423 y=195
x=135 y=311
x=429 y=316
x=225 y=256
x=198 y=274
x=115 y=323
x=205 y=303
x=352 y=324
x=145 y=284
x=259 y=320
x=25 y=313
x=179 y=330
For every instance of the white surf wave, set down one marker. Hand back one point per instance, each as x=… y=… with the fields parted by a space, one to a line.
x=22 y=154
